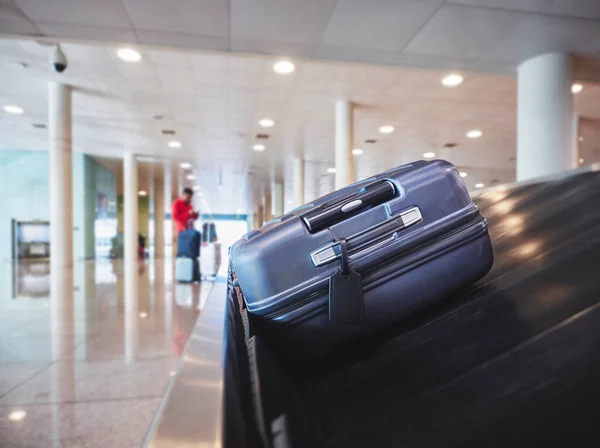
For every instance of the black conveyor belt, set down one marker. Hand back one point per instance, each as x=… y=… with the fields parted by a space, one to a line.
x=513 y=361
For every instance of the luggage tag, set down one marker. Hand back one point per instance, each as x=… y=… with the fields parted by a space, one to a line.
x=346 y=298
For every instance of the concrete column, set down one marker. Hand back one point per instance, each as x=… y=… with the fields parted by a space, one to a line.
x=298 y=181
x=576 y=143
x=130 y=206
x=168 y=198
x=277 y=199
x=268 y=204
x=60 y=153
x=545 y=116
x=159 y=218
x=260 y=215
x=344 y=131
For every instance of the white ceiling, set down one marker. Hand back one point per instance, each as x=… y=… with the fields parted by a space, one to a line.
x=480 y=35
x=214 y=101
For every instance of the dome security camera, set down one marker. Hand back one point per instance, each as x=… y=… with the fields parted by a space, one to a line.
x=58 y=60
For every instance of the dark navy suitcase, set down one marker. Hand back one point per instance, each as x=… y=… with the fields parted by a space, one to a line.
x=188 y=243
x=362 y=258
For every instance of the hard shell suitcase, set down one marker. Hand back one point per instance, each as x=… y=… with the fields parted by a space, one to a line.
x=362 y=258
x=188 y=243
x=187 y=270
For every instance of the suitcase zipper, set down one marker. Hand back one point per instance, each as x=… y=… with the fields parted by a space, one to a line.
x=323 y=291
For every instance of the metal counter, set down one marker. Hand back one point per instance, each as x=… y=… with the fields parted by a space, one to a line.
x=191 y=411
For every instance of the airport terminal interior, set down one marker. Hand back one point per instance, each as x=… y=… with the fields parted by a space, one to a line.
x=256 y=115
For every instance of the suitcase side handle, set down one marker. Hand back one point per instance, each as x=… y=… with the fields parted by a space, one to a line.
x=329 y=214
x=373 y=238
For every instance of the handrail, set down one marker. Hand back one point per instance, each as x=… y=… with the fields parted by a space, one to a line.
x=191 y=411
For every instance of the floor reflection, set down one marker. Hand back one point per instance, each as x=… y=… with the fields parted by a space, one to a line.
x=75 y=346
x=32 y=278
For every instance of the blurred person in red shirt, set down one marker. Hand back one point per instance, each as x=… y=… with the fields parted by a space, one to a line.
x=182 y=211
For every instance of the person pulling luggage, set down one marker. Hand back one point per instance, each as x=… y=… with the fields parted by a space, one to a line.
x=182 y=211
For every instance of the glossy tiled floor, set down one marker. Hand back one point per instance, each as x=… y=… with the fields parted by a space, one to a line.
x=86 y=366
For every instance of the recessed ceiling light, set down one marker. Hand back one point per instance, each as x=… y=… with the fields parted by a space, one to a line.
x=479 y=185
x=463 y=174
x=386 y=129
x=129 y=55
x=185 y=165
x=174 y=144
x=357 y=151
x=266 y=123
x=17 y=415
x=576 y=88
x=196 y=187
x=289 y=202
x=284 y=67
x=474 y=133
x=142 y=193
x=258 y=147
x=143 y=315
x=452 y=80
x=429 y=155
x=191 y=177
x=14 y=110
x=331 y=170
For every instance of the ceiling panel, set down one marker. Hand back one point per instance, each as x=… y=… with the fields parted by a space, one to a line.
x=169 y=58
x=541 y=34
x=518 y=5
x=181 y=40
x=13 y=21
x=87 y=32
x=284 y=20
x=105 y=13
x=204 y=17
x=377 y=24
x=458 y=31
x=586 y=9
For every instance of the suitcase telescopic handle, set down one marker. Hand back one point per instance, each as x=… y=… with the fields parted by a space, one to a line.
x=372 y=195
x=369 y=240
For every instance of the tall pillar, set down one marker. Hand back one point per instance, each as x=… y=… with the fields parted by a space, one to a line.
x=260 y=215
x=159 y=218
x=576 y=142
x=60 y=152
x=344 y=162
x=130 y=218
x=298 y=181
x=168 y=199
x=268 y=204
x=545 y=116
x=278 y=199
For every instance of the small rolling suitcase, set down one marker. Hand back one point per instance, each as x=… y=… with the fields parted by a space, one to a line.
x=362 y=258
x=187 y=267
x=186 y=270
